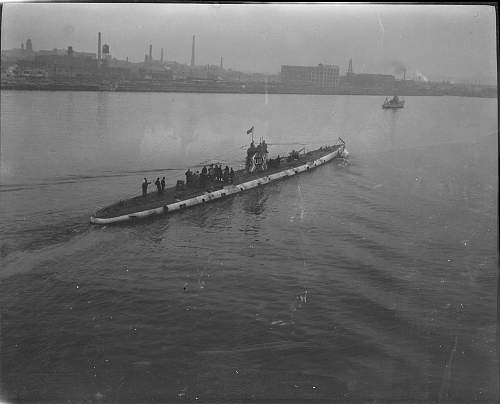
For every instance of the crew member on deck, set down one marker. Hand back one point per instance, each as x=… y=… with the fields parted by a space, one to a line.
x=211 y=172
x=158 y=185
x=189 y=177
x=145 y=187
x=163 y=184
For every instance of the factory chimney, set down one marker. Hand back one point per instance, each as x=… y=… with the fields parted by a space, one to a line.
x=404 y=74
x=349 y=70
x=221 y=63
x=98 y=47
x=192 y=53
x=161 y=58
x=150 y=53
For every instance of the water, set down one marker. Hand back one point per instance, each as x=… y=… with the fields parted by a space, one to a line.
x=372 y=280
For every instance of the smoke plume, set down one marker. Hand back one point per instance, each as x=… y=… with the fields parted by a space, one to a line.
x=420 y=77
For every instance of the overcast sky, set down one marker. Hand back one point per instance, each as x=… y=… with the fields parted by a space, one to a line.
x=446 y=40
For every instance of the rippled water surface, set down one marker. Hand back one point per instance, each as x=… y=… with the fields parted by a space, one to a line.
x=368 y=279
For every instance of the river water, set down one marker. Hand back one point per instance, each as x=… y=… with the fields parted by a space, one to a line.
x=372 y=279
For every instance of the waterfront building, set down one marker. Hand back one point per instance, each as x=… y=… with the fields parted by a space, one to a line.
x=154 y=71
x=70 y=64
x=367 y=81
x=321 y=76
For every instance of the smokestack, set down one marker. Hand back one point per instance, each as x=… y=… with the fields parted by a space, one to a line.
x=99 y=47
x=404 y=74
x=192 y=53
x=150 y=53
x=161 y=58
x=221 y=63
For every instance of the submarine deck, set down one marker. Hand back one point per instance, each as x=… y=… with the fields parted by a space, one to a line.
x=170 y=195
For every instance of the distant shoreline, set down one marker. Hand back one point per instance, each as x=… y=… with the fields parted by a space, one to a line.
x=248 y=88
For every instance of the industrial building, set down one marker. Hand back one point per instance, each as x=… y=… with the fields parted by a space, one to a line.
x=321 y=76
x=56 y=65
x=366 y=81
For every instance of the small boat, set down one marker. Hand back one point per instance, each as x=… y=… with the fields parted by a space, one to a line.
x=200 y=189
x=394 y=103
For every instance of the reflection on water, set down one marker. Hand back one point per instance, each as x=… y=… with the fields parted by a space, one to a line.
x=255 y=200
x=102 y=112
x=393 y=117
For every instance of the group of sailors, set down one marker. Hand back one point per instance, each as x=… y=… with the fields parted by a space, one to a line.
x=209 y=176
x=160 y=186
x=212 y=175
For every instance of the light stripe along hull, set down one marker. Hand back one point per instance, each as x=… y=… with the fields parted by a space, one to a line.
x=220 y=193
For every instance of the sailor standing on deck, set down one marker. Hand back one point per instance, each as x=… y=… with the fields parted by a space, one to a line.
x=158 y=185
x=189 y=177
x=162 y=185
x=145 y=187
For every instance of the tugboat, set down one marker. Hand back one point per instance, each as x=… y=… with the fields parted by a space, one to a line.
x=203 y=188
x=393 y=103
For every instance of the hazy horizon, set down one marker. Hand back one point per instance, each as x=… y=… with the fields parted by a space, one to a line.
x=429 y=40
